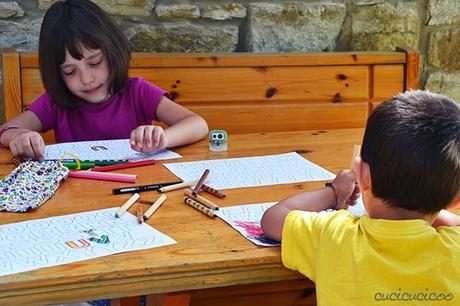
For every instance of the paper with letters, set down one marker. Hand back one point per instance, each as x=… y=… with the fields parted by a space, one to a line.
x=40 y=243
x=252 y=171
x=246 y=220
x=103 y=150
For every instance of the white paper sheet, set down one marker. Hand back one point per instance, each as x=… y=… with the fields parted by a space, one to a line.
x=246 y=220
x=35 y=244
x=103 y=149
x=252 y=171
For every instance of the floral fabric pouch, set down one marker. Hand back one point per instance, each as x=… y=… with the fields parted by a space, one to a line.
x=30 y=185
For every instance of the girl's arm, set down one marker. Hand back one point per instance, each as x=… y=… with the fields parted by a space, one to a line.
x=184 y=126
x=23 y=139
x=446 y=218
x=316 y=200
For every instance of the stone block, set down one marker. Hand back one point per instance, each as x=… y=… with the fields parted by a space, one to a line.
x=20 y=35
x=10 y=9
x=384 y=26
x=172 y=10
x=444 y=12
x=116 y=7
x=183 y=37
x=443 y=49
x=286 y=27
x=224 y=12
x=445 y=83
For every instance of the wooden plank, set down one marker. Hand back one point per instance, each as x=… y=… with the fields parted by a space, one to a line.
x=326 y=83
x=295 y=292
x=217 y=85
x=11 y=84
x=412 y=68
x=289 y=117
x=30 y=59
x=388 y=81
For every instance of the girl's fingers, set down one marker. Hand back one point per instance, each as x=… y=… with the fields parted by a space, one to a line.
x=149 y=136
x=14 y=150
x=157 y=135
x=38 y=146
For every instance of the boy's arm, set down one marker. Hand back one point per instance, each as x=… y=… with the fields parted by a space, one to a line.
x=446 y=218
x=316 y=200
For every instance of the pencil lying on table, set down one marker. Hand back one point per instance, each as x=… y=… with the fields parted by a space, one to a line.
x=177 y=186
x=94 y=175
x=201 y=208
x=213 y=191
x=127 y=205
x=125 y=165
x=154 y=206
x=201 y=199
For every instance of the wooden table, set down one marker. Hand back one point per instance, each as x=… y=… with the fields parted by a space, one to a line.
x=209 y=253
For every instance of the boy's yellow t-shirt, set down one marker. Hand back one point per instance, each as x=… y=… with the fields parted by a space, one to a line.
x=362 y=261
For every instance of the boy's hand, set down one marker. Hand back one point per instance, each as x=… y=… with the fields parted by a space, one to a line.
x=28 y=144
x=346 y=189
x=148 y=138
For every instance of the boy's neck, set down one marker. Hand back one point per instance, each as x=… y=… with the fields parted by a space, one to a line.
x=379 y=209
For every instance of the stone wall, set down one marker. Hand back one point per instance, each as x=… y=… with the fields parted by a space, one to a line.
x=431 y=26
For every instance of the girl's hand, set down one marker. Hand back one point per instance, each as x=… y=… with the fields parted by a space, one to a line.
x=148 y=138
x=346 y=189
x=28 y=144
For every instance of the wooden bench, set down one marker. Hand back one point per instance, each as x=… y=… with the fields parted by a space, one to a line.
x=242 y=92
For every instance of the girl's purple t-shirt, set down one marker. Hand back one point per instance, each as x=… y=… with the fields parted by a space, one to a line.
x=115 y=118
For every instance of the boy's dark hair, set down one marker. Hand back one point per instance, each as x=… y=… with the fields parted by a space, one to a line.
x=412 y=146
x=71 y=25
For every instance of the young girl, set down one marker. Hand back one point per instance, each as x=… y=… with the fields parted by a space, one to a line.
x=84 y=62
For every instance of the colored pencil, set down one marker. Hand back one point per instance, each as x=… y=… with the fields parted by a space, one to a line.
x=201 y=199
x=201 y=208
x=213 y=191
x=154 y=206
x=142 y=188
x=140 y=215
x=93 y=175
x=127 y=205
x=200 y=183
x=177 y=186
x=131 y=164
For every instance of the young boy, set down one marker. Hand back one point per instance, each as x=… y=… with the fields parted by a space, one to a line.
x=407 y=250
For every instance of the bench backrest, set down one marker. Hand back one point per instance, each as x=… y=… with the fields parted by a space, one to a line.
x=247 y=92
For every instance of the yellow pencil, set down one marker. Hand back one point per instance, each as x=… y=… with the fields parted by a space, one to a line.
x=154 y=206
x=177 y=186
x=127 y=205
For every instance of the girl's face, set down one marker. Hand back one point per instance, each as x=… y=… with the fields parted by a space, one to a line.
x=87 y=78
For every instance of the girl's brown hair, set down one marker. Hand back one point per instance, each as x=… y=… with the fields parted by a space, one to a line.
x=73 y=25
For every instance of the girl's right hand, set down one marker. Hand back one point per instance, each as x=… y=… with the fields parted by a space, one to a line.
x=28 y=144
